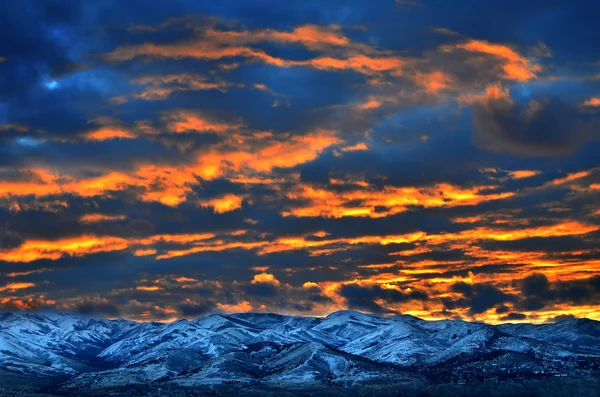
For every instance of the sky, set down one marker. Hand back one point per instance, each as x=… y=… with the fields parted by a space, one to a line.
x=171 y=159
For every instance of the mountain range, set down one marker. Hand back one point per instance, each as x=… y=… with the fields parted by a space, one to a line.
x=74 y=354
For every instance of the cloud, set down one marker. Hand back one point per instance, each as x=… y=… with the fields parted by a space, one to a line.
x=151 y=161
x=102 y=308
x=521 y=174
x=144 y=252
x=161 y=87
x=311 y=36
x=32 y=250
x=241 y=158
x=513 y=65
x=9 y=240
x=366 y=297
x=265 y=278
x=444 y=31
x=545 y=128
x=16 y=286
x=538 y=292
x=27 y=304
x=226 y=203
x=216 y=44
x=187 y=121
x=478 y=298
x=105 y=133
x=357 y=147
x=593 y=102
x=364 y=200
x=148 y=288
x=244 y=306
x=95 y=218
x=513 y=316
x=434 y=82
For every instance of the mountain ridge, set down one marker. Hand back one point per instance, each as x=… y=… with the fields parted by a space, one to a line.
x=74 y=353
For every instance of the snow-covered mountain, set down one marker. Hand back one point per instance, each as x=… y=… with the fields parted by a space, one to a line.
x=72 y=352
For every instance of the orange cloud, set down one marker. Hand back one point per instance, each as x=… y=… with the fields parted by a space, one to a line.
x=569 y=178
x=217 y=44
x=174 y=238
x=267 y=278
x=241 y=158
x=371 y=103
x=493 y=91
x=168 y=185
x=244 y=306
x=310 y=284
x=26 y=273
x=321 y=234
x=32 y=250
x=217 y=246
x=359 y=63
x=26 y=303
x=434 y=82
x=108 y=133
x=148 y=288
x=521 y=174
x=468 y=219
x=186 y=121
x=355 y=148
x=246 y=156
x=40 y=183
x=144 y=252
x=95 y=218
x=229 y=202
x=384 y=202
x=570 y=228
x=90 y=187
x=592 y=102
x=185 y=280
x=160 y=87
x=15 y=286
x=514 y=66
x=311 y=36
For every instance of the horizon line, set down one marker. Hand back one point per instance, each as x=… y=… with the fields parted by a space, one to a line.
x=170 y=321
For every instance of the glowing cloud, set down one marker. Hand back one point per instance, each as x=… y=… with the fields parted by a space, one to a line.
x=265 y=278
x=96 y=218
x=521 y=174
x=593 y=102
x=229 y=202
x=377 y=203
x=244 y=306
x=514 y=66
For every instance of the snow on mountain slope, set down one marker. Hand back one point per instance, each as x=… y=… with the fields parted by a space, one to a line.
x=345 y=346
x=580 y=335
x=50 y=343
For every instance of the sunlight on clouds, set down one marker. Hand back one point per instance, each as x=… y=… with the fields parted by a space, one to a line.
x=229 y=202
x=241 y=307
x=515 y=66
x=385 y=202
x=312 y=161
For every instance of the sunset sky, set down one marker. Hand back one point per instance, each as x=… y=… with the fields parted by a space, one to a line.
x=170 y=159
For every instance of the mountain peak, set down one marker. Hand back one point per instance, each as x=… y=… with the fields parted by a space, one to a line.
x=348 y=313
